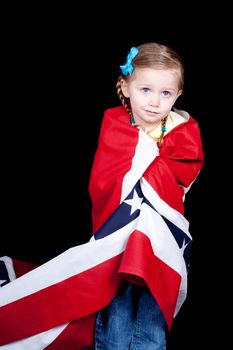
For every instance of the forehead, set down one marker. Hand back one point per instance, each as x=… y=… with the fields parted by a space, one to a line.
x=156 y=76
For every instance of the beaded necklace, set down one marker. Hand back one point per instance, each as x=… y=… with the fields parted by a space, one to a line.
x=156 y=139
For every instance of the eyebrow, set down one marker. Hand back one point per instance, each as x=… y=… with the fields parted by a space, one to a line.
x=150 y=85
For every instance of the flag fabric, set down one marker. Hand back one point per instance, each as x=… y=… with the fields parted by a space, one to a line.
x=140 y=234
x=10 y=269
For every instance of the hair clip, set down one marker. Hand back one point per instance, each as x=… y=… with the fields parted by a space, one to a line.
x=128 y=68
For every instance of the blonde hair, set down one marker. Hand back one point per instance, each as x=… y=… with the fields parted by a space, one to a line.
x=153 y=55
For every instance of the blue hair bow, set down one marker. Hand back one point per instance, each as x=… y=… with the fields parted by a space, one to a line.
x=128 y=67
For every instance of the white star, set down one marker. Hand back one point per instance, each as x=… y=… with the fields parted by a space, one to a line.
x=1 y=282
x=183 y=246
x=135 y=202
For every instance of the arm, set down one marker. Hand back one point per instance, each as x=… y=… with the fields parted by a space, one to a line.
x=179 y=163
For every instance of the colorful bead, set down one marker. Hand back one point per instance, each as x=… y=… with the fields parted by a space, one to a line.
x=163 y=129
x=132 y=120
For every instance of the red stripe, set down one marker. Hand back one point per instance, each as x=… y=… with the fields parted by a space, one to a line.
x=77 y=335
x=163 y=281
x=71 y=299
x=117 y=140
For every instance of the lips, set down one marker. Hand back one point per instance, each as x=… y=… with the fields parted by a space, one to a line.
x=151 y=112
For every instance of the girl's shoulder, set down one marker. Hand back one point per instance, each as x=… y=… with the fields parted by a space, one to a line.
x=176 y=118
x=183 y=133
x=116 y=111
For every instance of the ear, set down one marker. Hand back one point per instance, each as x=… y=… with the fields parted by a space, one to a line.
x=124 y=88
x=179 y=93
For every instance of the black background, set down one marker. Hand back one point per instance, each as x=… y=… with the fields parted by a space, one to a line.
x=60 y=77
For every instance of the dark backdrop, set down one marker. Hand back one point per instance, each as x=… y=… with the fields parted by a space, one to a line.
x=60 y=77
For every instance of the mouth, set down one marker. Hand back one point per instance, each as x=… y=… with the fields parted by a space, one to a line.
x=151 y=113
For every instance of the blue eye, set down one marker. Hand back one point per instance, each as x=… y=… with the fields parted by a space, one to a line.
x=145 y=90
x=166 y=93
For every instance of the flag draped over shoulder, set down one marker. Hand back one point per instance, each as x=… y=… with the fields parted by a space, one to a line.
x=140 y=234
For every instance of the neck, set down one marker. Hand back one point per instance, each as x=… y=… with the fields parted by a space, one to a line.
x=148 y=128
x=162 y=124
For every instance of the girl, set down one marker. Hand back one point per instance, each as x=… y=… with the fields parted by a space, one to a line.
x=151 y=80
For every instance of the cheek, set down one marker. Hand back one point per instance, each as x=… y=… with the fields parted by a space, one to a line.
x=169 y=103
x=137 y=98
x=135 y=103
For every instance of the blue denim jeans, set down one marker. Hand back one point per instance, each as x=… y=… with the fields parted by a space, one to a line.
x=133 y=320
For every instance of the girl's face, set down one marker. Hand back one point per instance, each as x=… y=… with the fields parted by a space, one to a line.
x=152 y=94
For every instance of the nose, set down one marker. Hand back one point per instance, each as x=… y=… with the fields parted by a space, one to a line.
x=154 y=100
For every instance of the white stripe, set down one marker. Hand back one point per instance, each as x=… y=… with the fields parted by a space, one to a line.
x=164 y=209
x=162 y=240
x=182 y=291
x=164 y=247
x=145 y=152
x=67 y=264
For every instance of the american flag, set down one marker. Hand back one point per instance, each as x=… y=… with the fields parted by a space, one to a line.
x=140 y=234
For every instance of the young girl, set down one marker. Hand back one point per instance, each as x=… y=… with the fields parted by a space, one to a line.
x=132 y=274
x=146 y=130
